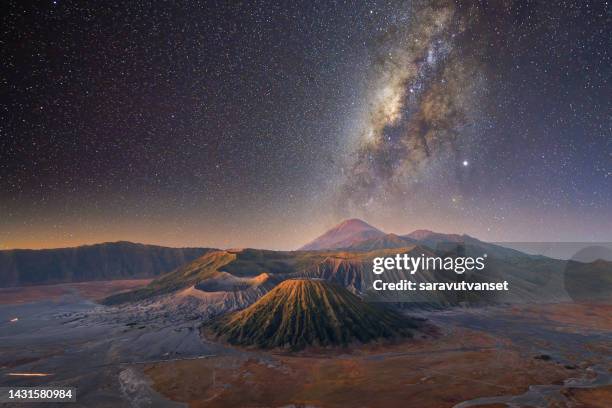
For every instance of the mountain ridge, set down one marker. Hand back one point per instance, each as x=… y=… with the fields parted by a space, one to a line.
x=353 y=232
x=104 y=261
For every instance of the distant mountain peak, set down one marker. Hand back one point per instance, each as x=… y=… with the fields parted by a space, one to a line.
x=354 y=223
x=345 y=234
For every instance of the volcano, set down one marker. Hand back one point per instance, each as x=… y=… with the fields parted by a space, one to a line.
x=344 y=235
x=301 y=312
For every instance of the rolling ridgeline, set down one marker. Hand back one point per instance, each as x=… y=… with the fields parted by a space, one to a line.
x=107 y=261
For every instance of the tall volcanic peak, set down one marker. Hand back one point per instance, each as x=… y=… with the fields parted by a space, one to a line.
x=344 y=235
x=301 y=312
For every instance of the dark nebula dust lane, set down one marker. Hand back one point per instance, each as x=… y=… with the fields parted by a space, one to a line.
x=426 y=93
x=262 y=124
x=471 y=120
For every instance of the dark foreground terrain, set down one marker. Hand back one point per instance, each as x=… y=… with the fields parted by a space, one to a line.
x=553 y=355
x=528 y=356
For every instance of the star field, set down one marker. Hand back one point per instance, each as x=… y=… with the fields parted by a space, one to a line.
x=260 y=124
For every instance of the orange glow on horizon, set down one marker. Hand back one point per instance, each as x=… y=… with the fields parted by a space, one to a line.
x=28 y=374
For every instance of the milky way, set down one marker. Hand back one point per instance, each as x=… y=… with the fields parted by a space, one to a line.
x=424 y=96
x=446 y=112
x=261 y=124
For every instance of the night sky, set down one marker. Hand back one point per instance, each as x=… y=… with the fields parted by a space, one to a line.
x=261 y=124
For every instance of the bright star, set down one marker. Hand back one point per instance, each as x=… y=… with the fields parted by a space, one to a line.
x=465 y=163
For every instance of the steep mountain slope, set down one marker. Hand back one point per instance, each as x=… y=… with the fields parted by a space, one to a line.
x=344 y=235
x=387 y=241
x=301 y=312
x=116 y=260
x=226 y=274
x=206 y=266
